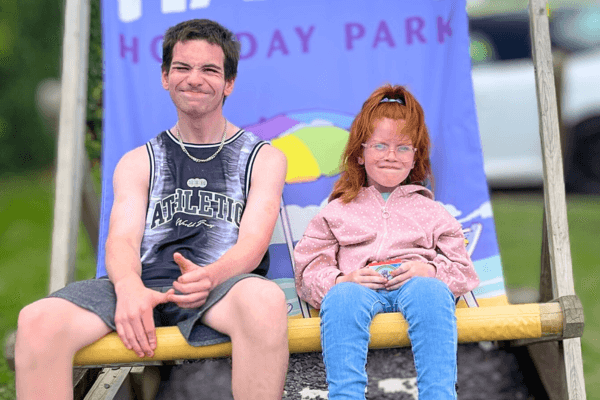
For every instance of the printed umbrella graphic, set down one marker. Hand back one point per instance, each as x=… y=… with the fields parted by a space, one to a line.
x=313 y=143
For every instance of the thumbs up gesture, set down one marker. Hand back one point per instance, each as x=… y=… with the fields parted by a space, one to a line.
x=194 y=284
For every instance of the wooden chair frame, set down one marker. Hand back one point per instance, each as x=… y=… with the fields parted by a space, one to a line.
x=556 y=350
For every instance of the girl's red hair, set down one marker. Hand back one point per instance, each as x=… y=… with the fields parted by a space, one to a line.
x=353 y=175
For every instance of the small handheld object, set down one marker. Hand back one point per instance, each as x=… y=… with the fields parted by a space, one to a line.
x=386 y=267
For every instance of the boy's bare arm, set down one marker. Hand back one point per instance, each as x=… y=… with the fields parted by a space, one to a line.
x=133 y=315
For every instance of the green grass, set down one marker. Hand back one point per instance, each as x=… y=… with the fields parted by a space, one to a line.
x=26 y=207
x=26 y=226
x=518 y=220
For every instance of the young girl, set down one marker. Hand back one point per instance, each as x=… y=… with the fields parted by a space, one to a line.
x=380 y=210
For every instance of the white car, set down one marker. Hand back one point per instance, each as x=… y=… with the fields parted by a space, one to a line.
x=505 y=96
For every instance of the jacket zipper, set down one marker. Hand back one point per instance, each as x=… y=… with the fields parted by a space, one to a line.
x=385 y=215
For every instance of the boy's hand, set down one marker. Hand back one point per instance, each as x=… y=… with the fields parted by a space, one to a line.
x=195 y=284
x=134 y=317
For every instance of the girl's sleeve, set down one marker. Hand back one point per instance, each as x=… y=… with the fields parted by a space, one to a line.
x=452 y=262
x=316 y=265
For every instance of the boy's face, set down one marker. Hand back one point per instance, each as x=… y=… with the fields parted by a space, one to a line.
x=387 y=156
x=196 y=78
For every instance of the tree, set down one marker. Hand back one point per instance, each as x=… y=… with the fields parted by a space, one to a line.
x=30 y=51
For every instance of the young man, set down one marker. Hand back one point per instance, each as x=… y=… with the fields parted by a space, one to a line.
x=194 y=210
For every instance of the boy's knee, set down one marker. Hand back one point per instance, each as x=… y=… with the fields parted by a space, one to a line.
x=264 y=304
x=44 y=321
x=275 y=311
x=272 y=299
x=263 y=316
x=32 y=320
x=36 y=329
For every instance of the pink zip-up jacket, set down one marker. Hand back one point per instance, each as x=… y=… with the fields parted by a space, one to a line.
x=409 y=225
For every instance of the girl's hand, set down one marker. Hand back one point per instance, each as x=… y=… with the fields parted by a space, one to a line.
x=406 y=271
x=366 y=277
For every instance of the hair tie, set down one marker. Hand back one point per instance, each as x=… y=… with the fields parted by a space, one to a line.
x=388 y=100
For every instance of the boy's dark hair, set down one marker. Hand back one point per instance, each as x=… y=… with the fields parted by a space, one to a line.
x=203 y=29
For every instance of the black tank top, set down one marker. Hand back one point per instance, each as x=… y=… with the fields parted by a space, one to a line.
x=195 y=208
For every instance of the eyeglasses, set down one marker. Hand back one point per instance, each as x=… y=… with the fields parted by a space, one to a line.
x=380 y=150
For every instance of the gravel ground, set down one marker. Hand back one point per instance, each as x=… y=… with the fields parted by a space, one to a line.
x=485 y=371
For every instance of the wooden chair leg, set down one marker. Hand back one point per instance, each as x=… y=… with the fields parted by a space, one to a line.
x=83 y=379
x=112 y=384
x=116 y=383
x=145 y=381
x=559 y=365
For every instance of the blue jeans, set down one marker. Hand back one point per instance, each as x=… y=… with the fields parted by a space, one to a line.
x=427 y=305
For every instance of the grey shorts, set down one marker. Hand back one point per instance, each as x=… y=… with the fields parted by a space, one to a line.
x=98 y=296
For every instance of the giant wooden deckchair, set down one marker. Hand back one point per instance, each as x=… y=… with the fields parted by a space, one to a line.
x=551 y=329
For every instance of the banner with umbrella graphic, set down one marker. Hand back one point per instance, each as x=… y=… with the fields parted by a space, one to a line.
x=305 y=69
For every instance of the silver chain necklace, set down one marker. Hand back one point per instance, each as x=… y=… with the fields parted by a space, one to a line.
x=199 y=160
